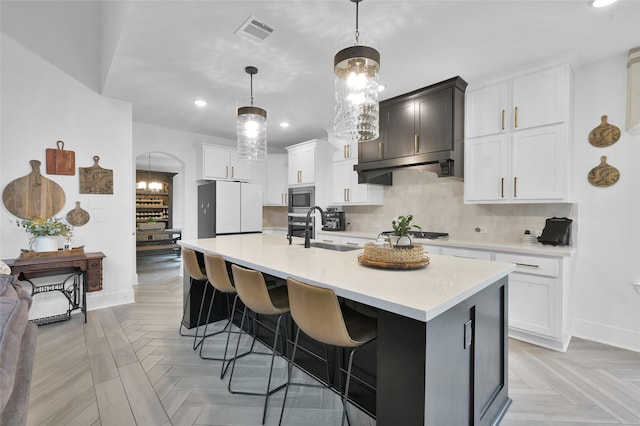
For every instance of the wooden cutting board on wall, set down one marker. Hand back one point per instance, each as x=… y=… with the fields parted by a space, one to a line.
x=95 y=179
x=61 y=162
x=33 y=195
x=603 y=174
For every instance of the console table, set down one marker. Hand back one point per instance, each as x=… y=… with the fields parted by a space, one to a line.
x=86 y=266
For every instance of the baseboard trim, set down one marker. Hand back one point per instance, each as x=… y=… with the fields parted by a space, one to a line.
x=602 y=333
x=107 y=300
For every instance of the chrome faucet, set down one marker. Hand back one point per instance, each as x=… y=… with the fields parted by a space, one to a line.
x=307 y=234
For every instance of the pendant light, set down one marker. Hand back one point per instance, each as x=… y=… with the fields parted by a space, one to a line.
x=356 y=84
x=149 y=185
x=252 y=129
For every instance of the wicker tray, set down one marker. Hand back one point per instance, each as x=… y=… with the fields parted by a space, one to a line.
x=393 y=265
x=394 y=255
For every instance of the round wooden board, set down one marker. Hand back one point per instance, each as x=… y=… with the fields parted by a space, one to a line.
x=603 y=174
x=78 y=216
x=605 y=134
x=392 y=265
x=33 y=195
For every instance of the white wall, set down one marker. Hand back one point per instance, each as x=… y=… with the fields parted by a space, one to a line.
x=606 y=306
x=40 y=105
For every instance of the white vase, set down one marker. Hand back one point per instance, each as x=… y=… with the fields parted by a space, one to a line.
x=46 y=243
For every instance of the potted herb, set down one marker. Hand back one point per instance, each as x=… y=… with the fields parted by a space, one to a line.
x=45 y=233
x=401 y=228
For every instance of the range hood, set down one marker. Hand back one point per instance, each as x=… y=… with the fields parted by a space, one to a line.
x=432 y=140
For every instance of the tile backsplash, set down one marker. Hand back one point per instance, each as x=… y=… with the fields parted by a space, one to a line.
x=437 y=205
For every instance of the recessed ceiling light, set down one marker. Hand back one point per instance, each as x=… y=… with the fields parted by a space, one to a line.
x=381 y=87
x=200 y=102
x=602 y=3
x=284 y=124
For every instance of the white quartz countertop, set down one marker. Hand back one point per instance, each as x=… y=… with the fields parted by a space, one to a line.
x=421 y=294
x=537 y=248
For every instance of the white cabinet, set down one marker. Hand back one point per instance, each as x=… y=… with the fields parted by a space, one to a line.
x=302 y=163
x=337 y=238
x=345 y=151
x=274 y=183
x=538 y=299
x=221 y=163
x=467 y=253
x=532 y=168
x=517 y=139
x=345 y=187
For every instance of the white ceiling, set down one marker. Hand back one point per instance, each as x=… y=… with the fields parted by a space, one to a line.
x=161 y=55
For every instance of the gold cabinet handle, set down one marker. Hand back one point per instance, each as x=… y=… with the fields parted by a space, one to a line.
x=344 y=194
x=515 y=123
x=502 y=120
x=348 y=151
x=348 y=194
x=349 y=243
x=502 y=187
x=380 y=150
x=328 y=241
x=530 y=265
x=344 y=151
x=226 y=173
x=515 y=187
x=232 y=172
x=416 y=143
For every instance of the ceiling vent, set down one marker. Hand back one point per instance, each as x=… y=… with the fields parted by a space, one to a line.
x=254 y=30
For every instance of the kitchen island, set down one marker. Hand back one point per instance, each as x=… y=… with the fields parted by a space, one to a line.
x=442 y=329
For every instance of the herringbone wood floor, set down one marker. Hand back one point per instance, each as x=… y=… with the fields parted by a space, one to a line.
x=128 y=365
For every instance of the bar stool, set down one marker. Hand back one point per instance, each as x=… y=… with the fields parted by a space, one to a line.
x=261 y=300
x=218 y=277
x=319 y=315
x=196 y=273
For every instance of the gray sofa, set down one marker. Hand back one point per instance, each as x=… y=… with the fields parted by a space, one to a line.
x=17 y=350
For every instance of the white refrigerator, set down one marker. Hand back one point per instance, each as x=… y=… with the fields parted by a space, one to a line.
x=229 y=208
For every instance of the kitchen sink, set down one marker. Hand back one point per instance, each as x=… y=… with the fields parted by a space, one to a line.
x=334 y=247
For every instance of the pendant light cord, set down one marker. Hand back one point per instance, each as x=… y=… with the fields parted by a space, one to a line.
x=357 y=32
x=251 y=75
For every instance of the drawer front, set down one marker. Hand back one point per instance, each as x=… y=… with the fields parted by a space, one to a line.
x=536 y=265
x=466 y=253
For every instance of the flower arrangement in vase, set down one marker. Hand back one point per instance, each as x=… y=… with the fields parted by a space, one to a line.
x=45 y=232
x=401 y=228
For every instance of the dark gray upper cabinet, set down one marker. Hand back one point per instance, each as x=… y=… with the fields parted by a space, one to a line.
x=421 y=128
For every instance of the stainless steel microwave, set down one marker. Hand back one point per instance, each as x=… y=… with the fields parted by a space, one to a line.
x=301 y=199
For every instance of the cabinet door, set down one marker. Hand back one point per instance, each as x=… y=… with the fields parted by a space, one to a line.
x=399 y=132
x=345 y=151
x=485 y=169
x=540 y=98
x=227 y=207
x=370 y=151
x=215 y=163
x=534 y=304
x=274 y=188
x=434 y=122
x=302 y=165
x=341 y=180
x=538 y=164
x=239 y=170
x=486 y=111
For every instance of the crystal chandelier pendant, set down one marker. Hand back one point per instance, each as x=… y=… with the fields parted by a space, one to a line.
x=252 y=130
x=356 y=70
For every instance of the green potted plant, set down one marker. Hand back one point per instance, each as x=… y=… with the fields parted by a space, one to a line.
x=45 y=233
x=401 y=228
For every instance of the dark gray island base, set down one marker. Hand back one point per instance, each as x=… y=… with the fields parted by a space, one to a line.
x=451 y=370
x=448 y=370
